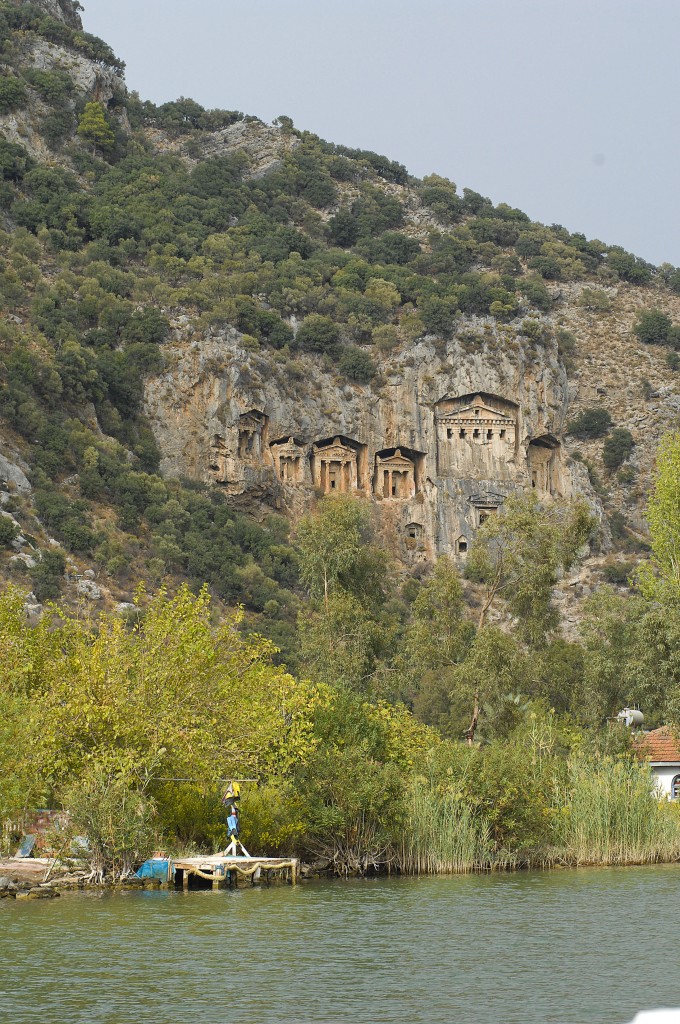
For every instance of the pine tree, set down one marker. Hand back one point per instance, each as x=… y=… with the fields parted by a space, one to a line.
x=93 y=127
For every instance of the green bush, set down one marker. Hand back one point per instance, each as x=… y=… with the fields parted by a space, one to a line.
x=47 y=576
x=595 y=300
x=628 y=267
x=626 y=475
x=318 y=334
x=617 y=448
x=653 y=327
x=590 y=423
x=618 y=573
x=8 y=532
x=357 y=365
x=54 y=87
x=536 y=293
x=12 y=94
x=106 y=806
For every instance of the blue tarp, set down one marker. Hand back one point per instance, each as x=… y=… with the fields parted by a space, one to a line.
x=157 y=867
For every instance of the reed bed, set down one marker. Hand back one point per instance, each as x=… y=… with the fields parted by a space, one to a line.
x=611 y=814
x=442 y=836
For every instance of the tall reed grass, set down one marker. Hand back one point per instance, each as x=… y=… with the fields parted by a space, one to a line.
x=611 y=814
x=442 y=835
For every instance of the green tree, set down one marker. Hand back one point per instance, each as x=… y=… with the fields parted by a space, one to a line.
x=439 y=633
x=659 y=579
x=518 y=554
x=318 y=334
x=336 y=553
x=653 y=327
x=357 y=365
x=93 y=127
x=8 y=531
x=12 y=93
x=590 y=423
x=617 y=448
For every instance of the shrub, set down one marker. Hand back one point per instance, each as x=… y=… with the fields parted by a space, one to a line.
x=12 y=94
x=590 y=423
x=566 y=348
x=57 y=127
x=14 y=161
x=628 y=267
x=536 y=293
x=48 y=575
x=318 y=334
x=617 y=448
x=673 y=361
x=653 y=327
x=52 y=86
x=595 y=300
x=385 y=337
x=8 y=531
x=439 y=316
x=617 y=524
x=357 y=365
x=627 y=475
x=116 y=817
x=618 y=573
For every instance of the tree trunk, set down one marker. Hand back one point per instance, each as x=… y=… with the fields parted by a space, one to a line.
x=472 y=728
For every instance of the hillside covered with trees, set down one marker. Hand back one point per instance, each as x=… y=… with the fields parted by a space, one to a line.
x=363 y=697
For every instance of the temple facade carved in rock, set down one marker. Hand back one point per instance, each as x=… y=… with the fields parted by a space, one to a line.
x=436 y=450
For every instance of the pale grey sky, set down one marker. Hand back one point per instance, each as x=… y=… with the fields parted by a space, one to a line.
x=565 y=108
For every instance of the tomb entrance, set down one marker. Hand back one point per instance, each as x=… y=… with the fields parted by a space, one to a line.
x=288 y=455
x=543 y=463
x=397 y=473
x=338 y=465
x=252 y=428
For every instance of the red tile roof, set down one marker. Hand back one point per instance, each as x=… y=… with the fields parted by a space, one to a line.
x=659 y=745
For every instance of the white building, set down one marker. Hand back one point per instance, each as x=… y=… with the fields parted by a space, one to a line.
x=662 y=750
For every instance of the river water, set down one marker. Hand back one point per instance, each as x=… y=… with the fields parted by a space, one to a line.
x=567 y=946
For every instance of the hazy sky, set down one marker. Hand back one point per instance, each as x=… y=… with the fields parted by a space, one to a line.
x=565 y=108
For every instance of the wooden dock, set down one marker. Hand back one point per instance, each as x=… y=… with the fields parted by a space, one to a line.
x=221 y=869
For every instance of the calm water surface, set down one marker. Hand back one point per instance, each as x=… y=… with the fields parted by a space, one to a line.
x=570 y=947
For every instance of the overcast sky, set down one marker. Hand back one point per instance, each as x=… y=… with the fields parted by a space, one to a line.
x=567 y=109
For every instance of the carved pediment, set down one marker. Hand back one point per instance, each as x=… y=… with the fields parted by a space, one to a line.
x=472 y=414
x=337 y=451
x=288 y=449
x=396 y=461
x=486 y=499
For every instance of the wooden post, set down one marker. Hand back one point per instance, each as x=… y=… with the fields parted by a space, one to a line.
x=185 y=879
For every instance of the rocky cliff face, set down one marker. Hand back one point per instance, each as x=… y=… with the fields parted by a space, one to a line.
x=91 y=80
x=436 y=444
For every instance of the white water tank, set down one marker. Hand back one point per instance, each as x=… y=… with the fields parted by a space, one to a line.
x=632 y=717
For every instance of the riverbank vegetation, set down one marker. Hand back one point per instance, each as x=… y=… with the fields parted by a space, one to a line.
x=420 y=735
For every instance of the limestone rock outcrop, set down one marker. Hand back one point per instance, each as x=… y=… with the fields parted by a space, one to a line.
x=436 y=443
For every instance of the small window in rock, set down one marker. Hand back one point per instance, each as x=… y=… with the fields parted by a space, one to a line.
x=475 y=432
x=462 y=546
x=462 y=432
x=412 y=532
x=449 y=433
x=489 y=434
x=502 y=434
x=476 y=412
